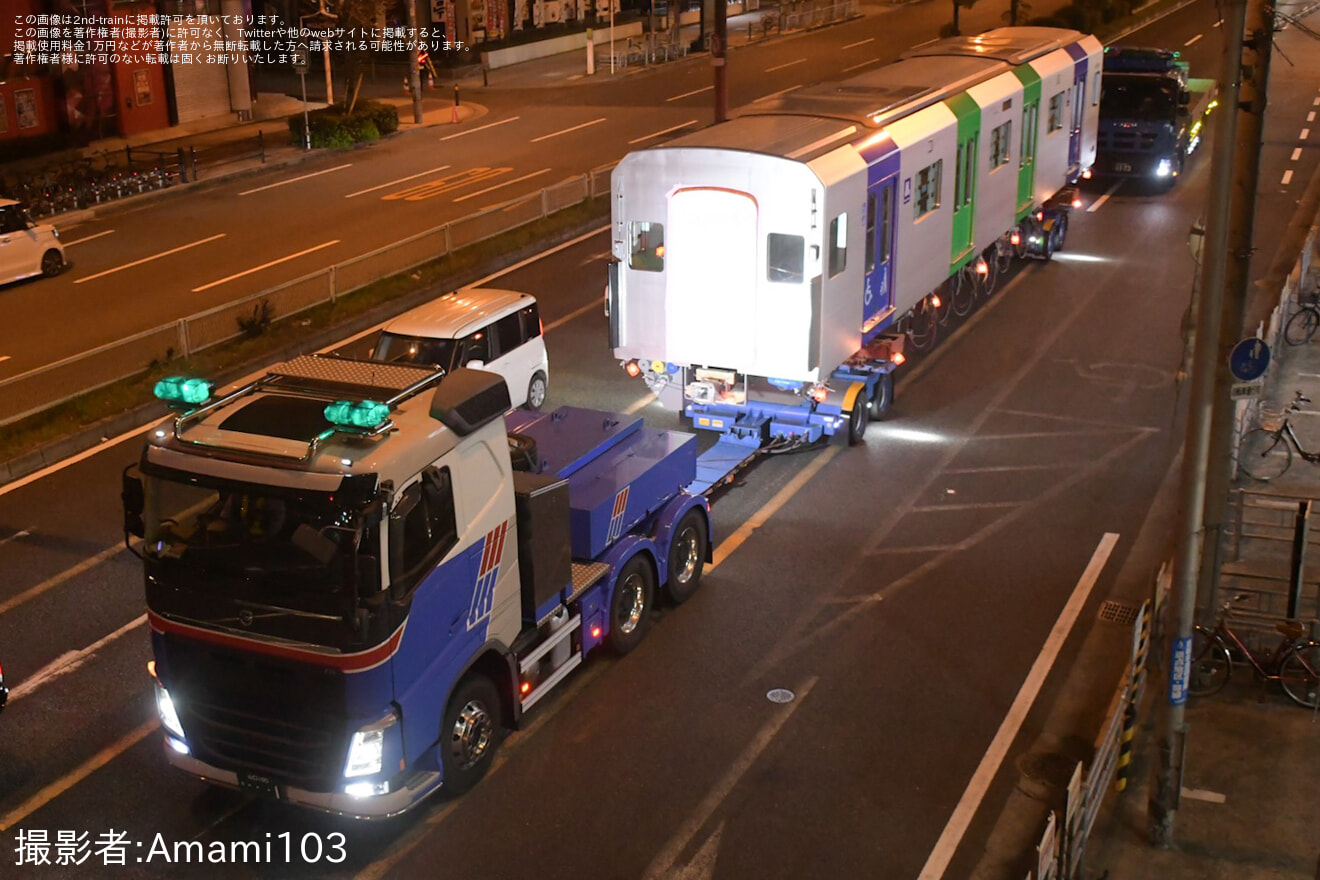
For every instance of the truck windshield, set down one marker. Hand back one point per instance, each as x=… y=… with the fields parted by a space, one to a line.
x=1137 y=97
x=296 y=551
x=396 y=349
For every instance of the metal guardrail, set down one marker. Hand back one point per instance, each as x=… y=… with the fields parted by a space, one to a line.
x=37 y=390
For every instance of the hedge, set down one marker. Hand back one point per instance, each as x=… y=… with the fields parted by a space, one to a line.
x=332 y=127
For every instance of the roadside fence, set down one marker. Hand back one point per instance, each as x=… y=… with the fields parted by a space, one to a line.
x=1062 y=846
x=40 y=389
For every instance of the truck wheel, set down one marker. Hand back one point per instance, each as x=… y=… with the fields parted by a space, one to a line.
x=471 y=732
x=536 y=391
x=687 y=557
x=1060 y=231
x=882 y=400
x=630 y=606
x=1047 y=244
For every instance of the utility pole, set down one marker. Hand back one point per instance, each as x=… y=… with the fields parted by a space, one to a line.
x=719 y=41
x=1166 y=790
x=1257 y=44
x=414 y=70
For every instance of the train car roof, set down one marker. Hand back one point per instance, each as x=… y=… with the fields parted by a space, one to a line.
x=1016 y=45
x=801 y=136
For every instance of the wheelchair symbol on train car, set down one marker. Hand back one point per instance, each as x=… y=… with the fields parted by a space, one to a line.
x=907 y=191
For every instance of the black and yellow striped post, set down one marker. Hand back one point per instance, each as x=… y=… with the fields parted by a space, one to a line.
x=1140 y=648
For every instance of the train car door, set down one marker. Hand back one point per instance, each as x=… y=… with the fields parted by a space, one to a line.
x=1078 y=98
x=878 y=299
x=1030 y=130
x=964 y=177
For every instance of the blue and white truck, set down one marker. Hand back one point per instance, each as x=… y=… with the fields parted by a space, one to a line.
x=359 y=576
x=1152 y=115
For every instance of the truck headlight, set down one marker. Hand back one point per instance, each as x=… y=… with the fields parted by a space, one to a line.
x=366 y=754
x=1164 y=169
x=169 y=716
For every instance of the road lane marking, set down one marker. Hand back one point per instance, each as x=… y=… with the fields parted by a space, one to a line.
x=57 y=579
x=302 y=253
x=782 y=66
x=863 y=64
x=394 y=182
x=640 y=403
x=1306 y=133
x=78 y=774
x=663 y=131
x=546 y=137
x=16 y=535
x=140 y=430
x=1287 y=177
x=482 y=192
x=248 y=192
x=1310 y=117
x=450 y=137
x=432 y=188
x=1200 y=794
x=69 y=244
x=589 y=307
x=776 y=94
x=401 y=846
x=662 y=865
x=1193 y=40
x=690 y=94
x=940 y=857
x=4 y=357
x=70 y=660
x=859 y=43
x=1104 y=198
x=176 y=250
x=1296 y=154
x=927 y=43
x=770 y=508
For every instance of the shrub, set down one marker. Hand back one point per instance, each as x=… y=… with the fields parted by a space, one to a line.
x=332 y=127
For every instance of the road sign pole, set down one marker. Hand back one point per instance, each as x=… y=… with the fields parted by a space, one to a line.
x=307 y=127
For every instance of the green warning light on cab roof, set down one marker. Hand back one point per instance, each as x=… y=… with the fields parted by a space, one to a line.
x=178 y=389
x=357 y=414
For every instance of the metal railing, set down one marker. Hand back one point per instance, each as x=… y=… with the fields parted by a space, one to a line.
x=37 y=390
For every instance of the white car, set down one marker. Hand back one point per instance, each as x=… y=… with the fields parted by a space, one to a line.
x=27 y=248
x=496 y=330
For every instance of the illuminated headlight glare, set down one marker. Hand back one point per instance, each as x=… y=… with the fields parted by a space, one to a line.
x=169 y=718
x=366 y=789
x=178 y=745
x=56 y=233
x=1164 y=168
x=366 y=754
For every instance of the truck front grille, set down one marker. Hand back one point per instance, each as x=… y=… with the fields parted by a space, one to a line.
x=247 y=712
x=1127 y=141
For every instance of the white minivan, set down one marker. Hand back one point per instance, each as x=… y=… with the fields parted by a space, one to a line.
x=27 y=248
x=496 y=330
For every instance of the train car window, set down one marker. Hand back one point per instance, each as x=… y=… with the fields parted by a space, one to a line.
x=1056 y=112
x=927 y=197
x=958 y=176
x=886 y=212
x=870 y=232
x=648 y=246
x=1001 y=144
x=838 y=244
x=785 y=257
x=1095 y=90
x=1030 y=121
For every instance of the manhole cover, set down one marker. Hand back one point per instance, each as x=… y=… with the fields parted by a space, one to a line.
x=1119 y=612
x=779 y=695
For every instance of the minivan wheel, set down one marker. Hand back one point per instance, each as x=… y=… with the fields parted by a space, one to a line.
x=536 y=391
x=52 y=263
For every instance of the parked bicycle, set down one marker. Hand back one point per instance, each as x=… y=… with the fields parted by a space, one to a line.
x=1304 y=322
x=1294 y=664
x=1266 y=453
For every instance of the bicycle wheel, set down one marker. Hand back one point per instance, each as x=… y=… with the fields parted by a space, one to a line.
x=1211 y=665
x=922 y=325
x=1299 y=675
x=991 y=277
x=1301 y=326
x=1264 y=455
x=1004 y=256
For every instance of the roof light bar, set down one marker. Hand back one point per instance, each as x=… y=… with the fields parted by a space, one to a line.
x=357 y=413
x=178 y=389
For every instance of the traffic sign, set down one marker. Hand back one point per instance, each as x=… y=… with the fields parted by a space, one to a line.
x=1249 y=359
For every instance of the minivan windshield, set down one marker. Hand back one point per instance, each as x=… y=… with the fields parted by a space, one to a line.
x=395 y=349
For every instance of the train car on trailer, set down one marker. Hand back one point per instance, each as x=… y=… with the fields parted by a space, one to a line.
x=764 y=267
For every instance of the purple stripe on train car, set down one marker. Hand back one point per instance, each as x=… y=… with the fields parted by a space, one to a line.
x=881 y=156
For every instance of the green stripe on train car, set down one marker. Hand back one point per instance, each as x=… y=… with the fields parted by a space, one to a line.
x=1030 y=125
x=968 y=114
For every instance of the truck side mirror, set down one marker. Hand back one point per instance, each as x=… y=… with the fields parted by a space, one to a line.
x=134 y=500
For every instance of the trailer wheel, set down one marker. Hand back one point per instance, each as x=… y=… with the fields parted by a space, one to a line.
x=687 y=557
x=1060 y=231
x=882 y=400
x=630 y=606
x=1047 y=244
x=472 y=730
x=858 y=420
x=523 y=453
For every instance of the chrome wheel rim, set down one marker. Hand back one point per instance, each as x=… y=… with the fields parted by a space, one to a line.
x=633 y=603
x=687 y=555
x=472 y=734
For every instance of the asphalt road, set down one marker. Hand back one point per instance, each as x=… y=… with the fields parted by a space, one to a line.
x=903 y=591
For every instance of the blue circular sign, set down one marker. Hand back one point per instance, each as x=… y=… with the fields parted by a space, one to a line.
x=1249 y=359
